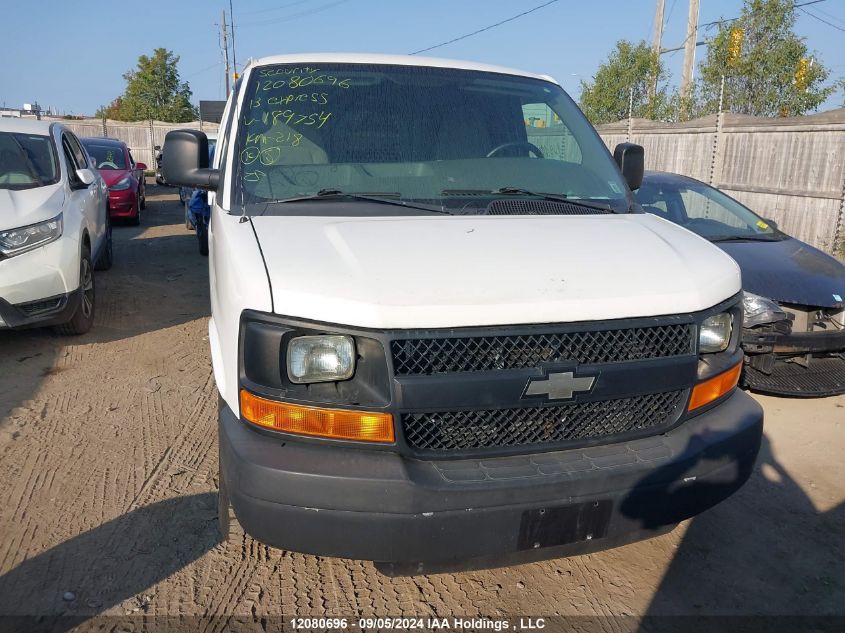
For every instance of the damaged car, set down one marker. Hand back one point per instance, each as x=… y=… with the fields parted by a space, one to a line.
x=793 y=331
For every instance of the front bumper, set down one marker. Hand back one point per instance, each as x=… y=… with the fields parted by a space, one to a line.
x=123 y=204
x=45 y=272
x=41 y=313
x=800 y=364
x=378 y=505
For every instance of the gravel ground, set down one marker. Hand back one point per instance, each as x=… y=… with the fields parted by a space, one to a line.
x=108 y=459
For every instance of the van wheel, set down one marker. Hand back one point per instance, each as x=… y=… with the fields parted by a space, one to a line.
x=83 y=318
x=107 y=256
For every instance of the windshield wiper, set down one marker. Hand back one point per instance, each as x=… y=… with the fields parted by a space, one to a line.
x=378 y=197
x=511 y=191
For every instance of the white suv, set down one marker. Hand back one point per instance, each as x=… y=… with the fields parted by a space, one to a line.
x=442 y=329
x=54 y=228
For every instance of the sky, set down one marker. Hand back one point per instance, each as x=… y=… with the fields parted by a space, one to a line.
x=62 y=56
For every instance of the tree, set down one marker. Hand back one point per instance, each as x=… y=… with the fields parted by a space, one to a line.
x=153 y=91
x=767 y=67
x=605 y=99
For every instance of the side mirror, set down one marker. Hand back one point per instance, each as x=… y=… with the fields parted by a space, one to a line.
x=141 y=166
x=631 y=160
x=186 y=161
x=157 y=147
x=86 y=176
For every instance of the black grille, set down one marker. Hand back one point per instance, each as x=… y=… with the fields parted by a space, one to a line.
x=823 y=377
x=36 y=307
x=472 y=430
x=521 y=206
x=428 y=356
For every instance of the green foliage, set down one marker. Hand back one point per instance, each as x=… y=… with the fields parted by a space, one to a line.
x=605 y=99
x=765 y=80
x=153 y=91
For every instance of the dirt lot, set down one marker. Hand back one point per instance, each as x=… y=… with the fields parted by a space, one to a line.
x=108 y=461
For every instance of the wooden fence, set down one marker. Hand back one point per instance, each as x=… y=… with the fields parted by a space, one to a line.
x=140 y=136
x=791 y=170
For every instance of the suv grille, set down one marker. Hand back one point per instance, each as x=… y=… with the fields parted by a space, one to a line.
x=428 y=356
x=469 y=430
x=35 y=307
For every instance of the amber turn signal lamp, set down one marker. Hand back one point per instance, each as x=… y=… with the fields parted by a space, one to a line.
x=338 y=424
x=713 y=388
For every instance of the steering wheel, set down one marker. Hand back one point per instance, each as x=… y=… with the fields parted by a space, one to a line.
x=107 y=163
x=524 y=144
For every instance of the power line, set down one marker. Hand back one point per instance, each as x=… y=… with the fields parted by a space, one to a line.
x=669 y=15
x=284 y=6
x=700 y=26
x=214 y=65
x=821 y=19
x=486 y=28
x=794 y=6
x=829 y=15
x=294 y=16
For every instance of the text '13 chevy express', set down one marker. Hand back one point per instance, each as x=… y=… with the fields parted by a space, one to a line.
x=442 y=330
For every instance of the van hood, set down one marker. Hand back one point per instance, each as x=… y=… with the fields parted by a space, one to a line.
x=447 y=271
x=20 y=207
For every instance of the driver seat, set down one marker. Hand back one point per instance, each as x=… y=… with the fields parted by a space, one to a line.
x=462 y=137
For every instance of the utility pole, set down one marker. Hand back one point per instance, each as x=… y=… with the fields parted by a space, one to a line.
x=234 y=58
x=225 y=49
x=655 y=45
x=689 y=53
x=658 y=26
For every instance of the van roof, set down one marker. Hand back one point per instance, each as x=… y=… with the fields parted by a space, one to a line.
x=396 y=60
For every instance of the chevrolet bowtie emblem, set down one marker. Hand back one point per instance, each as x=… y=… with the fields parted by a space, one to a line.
x=560 y=386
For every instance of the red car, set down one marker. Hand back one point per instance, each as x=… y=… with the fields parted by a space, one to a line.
x=124 y=177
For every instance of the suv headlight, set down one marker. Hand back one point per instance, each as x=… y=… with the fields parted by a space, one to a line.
x=758 y=310
x=715 y=333
x=320 y=358
x=16 y=241
x=121 y=185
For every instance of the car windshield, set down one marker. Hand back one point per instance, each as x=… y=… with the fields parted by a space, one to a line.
x=440 y=137
x=702 y=209
x=106 y=155
x=27 y=161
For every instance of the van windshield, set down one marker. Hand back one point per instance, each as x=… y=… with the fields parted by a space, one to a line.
x=439 y=136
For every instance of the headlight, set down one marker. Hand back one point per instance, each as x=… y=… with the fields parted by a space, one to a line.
x=320 y=358
x=715 y=333
x=121 y=185
x=758 y=310
x=16 y=241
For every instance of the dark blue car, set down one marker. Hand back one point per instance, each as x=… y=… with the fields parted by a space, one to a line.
x=794 y=322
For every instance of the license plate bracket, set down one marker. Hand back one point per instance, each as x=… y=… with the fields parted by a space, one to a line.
x=547 y=527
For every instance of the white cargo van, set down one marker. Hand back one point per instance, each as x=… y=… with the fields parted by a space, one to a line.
x=442 y=330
